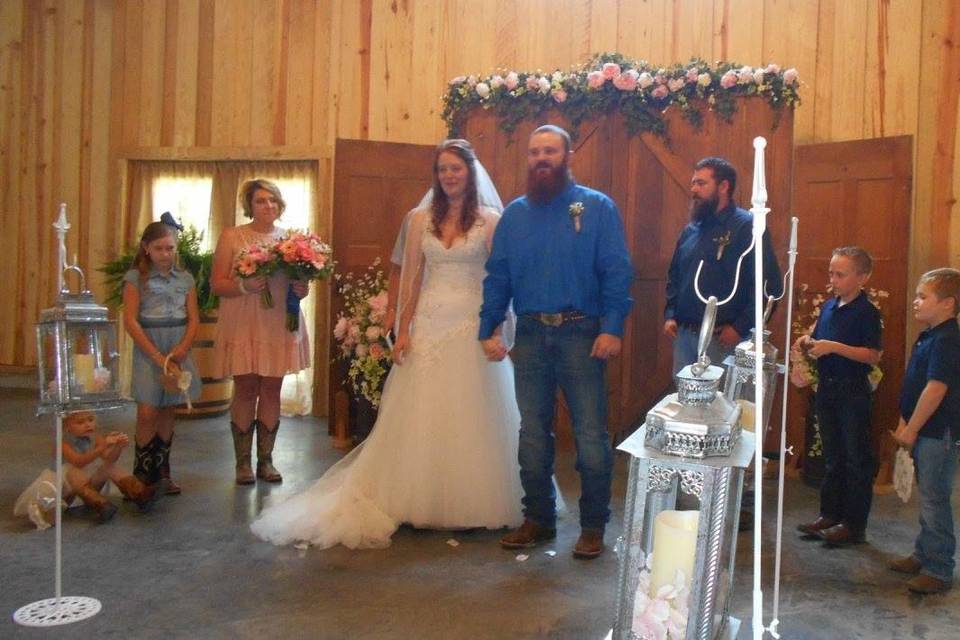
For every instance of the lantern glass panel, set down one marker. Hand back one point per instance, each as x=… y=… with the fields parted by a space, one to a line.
x=91 y=358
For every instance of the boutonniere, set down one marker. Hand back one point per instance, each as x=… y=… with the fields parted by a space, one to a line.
x=576 y=210
x=722 y=242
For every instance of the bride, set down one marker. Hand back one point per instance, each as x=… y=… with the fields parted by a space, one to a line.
x=443 y=453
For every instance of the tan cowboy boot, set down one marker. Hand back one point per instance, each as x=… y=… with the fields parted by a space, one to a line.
x=265 y=439
x=95 y=500
x=242 y=443
x=139 y=493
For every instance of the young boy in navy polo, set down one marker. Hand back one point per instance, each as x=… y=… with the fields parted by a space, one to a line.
x=930 y=425
x=846 y=344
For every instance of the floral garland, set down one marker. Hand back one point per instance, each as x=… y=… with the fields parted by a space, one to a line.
x=640 y=91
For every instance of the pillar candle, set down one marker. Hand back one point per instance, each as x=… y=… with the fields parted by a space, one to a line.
x=674 y=547
x=747 y=414
x=83 y=371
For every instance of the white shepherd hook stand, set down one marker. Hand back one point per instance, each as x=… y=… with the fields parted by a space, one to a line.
x=60 y=609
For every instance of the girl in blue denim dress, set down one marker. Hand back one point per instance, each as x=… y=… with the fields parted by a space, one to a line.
x=161 y=315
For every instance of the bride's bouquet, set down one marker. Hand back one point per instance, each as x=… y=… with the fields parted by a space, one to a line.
x=302 y=255
x=360 y=331
x=258 y=259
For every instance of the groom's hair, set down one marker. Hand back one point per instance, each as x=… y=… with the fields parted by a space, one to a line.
x=552 y=128
x=440 y=206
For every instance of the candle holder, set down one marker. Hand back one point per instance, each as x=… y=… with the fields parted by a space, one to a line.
x=740 y=378
x=77 y=364
x=683 y=503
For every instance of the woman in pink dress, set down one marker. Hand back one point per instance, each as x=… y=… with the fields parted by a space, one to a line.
x=252 y=343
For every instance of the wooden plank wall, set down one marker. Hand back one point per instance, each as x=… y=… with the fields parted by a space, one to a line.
x=85 y=84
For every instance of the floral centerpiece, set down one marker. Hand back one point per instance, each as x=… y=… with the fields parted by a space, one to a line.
x=360 y=333
x=803 y=366
x=610 y=82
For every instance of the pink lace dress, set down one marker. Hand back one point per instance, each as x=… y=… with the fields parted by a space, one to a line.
x=251 y=338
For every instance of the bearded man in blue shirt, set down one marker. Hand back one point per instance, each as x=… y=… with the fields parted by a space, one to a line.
x=560 y=255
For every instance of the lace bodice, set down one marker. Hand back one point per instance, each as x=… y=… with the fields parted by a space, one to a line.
x=459 y=267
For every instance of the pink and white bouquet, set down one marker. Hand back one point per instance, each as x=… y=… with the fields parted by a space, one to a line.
x=258 y=259
x=303 y=256
x=360 y=332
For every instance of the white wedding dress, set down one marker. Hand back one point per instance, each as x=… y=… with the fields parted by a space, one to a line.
x=443 y=453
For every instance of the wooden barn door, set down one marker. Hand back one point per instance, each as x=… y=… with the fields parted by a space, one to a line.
x=375 y=185
x=858 y=193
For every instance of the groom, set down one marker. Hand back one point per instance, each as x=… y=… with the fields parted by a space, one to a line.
x=560 y=255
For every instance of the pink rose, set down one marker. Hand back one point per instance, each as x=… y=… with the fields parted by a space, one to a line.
x=660 y=92
x=595 y=79
x=773 y=68
x=675 y=84
x=728 y=80
x=626 y=81
x=377 y=352
x=645 y=80
x=692 y=75
x=660 y=78
x=532 y=83
x=791 y=76
x=378 y=303
x=610 y=70
x=472 y=81
x=745 y=75
x=353 y=332
x=459 y=80
x=340 y=329
x=511 y=81
x=482 y=89
x=361 y=350
x=704 y=80
x=560 y=95
x=372 y=333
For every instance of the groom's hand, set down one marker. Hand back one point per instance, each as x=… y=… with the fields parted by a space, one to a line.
x=606 y=346
x=494 y=349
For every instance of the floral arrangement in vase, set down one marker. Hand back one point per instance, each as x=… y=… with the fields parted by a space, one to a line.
x=360 y=332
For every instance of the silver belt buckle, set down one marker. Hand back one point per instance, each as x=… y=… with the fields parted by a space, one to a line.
x=551 y=319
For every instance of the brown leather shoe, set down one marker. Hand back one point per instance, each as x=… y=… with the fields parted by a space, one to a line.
x=590 y=544
x=909 y=565
x=841 y=535
x=530 y=534
x=814 y=528
x=927 y=585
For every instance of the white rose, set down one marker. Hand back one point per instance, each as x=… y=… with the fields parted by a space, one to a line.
x=645 y=80
x=482 y=89
x=496 y=82
x=758 y=76
x=704 y=79
x=543 y=85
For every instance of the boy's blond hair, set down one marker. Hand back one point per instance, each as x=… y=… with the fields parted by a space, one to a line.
x=945 y=283
x=862 y=261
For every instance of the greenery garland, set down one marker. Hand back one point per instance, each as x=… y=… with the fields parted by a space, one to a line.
x=640 y=91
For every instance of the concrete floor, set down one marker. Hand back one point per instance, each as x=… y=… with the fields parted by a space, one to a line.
x=191 y=568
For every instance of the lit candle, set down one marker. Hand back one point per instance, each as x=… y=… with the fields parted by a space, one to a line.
x=83 y=371
x=674 y=547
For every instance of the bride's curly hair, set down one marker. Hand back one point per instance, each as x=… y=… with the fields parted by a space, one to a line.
x=440 y=207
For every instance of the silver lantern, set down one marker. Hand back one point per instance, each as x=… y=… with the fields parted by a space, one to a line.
x=683 y=501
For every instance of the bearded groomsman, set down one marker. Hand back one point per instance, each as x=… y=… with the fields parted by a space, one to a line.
x=559 y=254
x=718 y=232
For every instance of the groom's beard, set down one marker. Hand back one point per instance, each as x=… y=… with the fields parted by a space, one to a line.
x=543 y=189
x=701 y=209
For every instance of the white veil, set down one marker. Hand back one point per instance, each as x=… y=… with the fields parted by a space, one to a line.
x=411 y=271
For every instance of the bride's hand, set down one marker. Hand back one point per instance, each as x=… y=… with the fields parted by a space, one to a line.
x=400 y=348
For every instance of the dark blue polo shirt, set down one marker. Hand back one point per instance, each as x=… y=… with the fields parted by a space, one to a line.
x=855 y=324
x=718 y=240
x=935 y=356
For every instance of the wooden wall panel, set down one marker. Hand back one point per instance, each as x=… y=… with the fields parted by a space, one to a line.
x=85 y=83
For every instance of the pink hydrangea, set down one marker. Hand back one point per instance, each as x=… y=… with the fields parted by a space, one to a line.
x=728 y=80
x=791 y=76
x=773 y=68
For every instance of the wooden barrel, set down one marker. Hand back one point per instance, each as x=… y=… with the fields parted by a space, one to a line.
x=217 y=393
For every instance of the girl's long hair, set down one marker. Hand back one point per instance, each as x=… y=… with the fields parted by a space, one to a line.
x=440 y=207
x=154 y=231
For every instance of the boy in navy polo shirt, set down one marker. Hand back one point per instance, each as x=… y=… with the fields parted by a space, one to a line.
x=846 y=344
x=930 y=425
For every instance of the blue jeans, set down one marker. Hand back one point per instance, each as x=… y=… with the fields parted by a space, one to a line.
x=936 y=465
x=544 y=358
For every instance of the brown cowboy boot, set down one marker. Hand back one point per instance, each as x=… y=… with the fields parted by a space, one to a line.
x=137 y=492
x=242 y=443
x=163 y=467
x=265 y=439
x=95 y=500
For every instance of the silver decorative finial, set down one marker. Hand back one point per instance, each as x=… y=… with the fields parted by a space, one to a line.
x=62 y=226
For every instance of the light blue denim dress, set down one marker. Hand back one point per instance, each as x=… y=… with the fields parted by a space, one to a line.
x=163 y=317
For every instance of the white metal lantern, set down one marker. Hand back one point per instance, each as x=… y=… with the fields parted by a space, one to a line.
x=740 y=384
x=683 y=502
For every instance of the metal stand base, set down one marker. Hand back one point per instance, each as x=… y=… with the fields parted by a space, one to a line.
x=56 y=611
x=729 y=632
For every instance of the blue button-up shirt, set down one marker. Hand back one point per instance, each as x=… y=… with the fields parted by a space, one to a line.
x=856 y=324
x=165 y=296
x=541 y=262
x=935 y=356
x=718 y=240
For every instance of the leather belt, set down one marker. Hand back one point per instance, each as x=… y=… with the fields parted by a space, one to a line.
x=557 y=319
